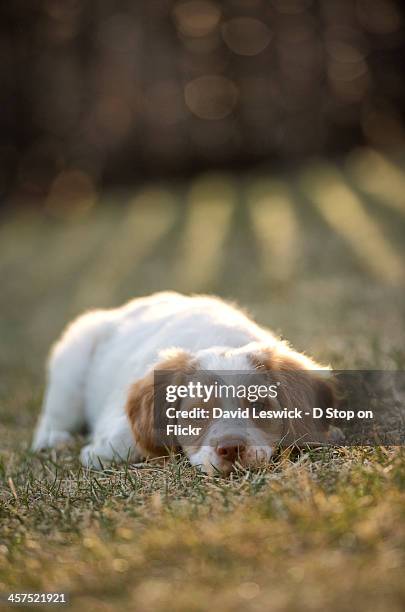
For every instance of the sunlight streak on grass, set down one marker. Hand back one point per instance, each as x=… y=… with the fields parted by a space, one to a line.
x=20 y=238
x=377 y=176
x=275 y=225
x=344 y=212
x=211 y=201
x=150 y=216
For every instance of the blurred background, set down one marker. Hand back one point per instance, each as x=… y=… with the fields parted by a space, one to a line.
x=98 y=93
x=249 y=148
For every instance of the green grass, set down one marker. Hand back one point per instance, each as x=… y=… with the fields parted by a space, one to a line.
x=321 y=531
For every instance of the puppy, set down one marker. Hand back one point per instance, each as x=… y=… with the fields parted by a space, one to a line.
x=101 y=378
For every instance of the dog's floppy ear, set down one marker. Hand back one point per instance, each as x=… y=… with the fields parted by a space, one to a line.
x=141 y=399
x=303 y=384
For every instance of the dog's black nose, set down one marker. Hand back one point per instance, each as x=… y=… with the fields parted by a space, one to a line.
x=231 y=449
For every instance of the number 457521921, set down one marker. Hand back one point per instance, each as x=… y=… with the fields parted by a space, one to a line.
x=36 y=598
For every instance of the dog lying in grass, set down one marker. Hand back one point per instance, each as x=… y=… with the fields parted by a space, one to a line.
x=101 y=378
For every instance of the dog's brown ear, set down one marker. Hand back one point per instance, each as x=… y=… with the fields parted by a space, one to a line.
x=141 y=402
x=281 y=358
x=310 y=389
x=303 y=383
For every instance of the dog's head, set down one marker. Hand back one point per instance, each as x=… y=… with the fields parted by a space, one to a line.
x=221 y=439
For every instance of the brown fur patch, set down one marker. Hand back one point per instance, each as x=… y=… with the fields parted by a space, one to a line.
x=303 y=385
x=140 y=403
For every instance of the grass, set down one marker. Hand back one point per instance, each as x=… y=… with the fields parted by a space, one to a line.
x=321 y=531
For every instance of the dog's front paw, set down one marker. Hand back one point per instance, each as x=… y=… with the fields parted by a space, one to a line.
x=50 y=438
x=93 y=458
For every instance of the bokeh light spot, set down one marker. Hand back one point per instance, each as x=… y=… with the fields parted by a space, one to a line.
x=246 y=36
x=211 y=97
x=344 y=51
x=196 y=18
x=72 y=194
x=346 y=71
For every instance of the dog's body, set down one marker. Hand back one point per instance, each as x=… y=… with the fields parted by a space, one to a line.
x=98 y=369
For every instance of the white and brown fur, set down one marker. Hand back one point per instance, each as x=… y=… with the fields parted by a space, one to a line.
x=100 y=377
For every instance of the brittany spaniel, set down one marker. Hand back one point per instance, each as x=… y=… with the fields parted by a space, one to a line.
x=101 y=378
